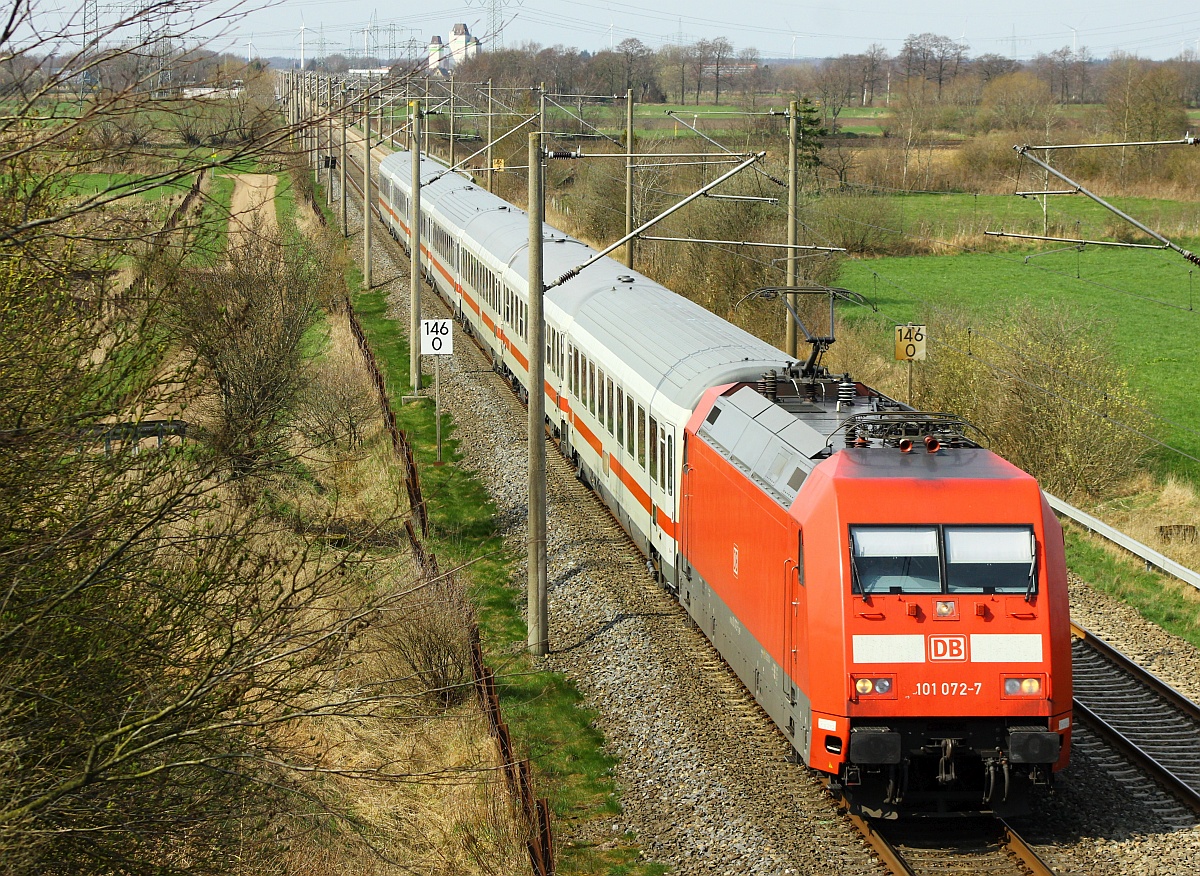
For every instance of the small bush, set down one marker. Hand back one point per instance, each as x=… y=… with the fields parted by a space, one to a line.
x=428 y=632
x=1043 y=389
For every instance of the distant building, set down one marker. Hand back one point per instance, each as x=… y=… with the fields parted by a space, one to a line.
x=444 y=57
x=210 y=92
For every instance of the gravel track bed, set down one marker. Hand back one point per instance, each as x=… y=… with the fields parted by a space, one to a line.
x=704 y=777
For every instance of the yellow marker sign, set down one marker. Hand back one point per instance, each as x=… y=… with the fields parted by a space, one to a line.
x=910 y=342
x=497 y=164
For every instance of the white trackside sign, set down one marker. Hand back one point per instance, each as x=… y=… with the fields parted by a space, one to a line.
x=437 y=337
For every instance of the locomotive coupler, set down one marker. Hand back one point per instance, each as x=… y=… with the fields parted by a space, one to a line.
x=897 y=783
x=946 y=773
x=997 y=773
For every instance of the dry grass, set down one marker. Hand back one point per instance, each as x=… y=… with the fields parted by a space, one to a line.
x=420 y=781
x=418 y=787
x=1158 y=514
x=361 y=481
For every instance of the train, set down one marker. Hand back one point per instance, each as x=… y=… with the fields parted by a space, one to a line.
x=892 y=593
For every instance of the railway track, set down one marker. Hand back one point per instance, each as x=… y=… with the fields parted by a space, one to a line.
x=696 y=787
x=1145 y=719
x=969 y=846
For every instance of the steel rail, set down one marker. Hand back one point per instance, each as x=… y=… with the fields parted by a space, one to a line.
x=1023 y=851
x=1139 y=757
x=1118 y=740
x=888 y=854
x=1006 y=838
x=1139 y=672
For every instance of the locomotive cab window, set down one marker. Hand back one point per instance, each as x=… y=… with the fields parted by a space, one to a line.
x=990 y=559
x=943 y=559
x=895 y=559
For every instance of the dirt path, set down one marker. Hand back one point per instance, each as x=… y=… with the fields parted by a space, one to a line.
x=252 y=204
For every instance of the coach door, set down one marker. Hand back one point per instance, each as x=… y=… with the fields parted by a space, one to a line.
x=661 y=468
x=795 y=621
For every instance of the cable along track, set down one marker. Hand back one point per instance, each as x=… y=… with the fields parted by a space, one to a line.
x=1144 y=718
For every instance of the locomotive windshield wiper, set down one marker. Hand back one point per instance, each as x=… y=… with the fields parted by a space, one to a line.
x=1032 y=567
x=856 y=587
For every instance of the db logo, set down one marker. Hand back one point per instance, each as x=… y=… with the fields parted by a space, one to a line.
x=947 y=647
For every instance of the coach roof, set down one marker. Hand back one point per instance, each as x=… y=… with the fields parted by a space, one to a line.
x=676 y=345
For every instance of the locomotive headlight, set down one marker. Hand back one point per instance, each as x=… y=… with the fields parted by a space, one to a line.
x=945 y=608
x=1016 y=686
x=880 y=687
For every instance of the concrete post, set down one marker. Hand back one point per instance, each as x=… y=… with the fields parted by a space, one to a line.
x=367 y=199
x=489 y=138
x=414 y=252
x=629 y=177
x=538 y=625
x=793 y=185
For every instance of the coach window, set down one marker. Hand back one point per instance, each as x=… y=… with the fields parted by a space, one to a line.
x=641 y=436
x=608 y=403
x=551 y=342
x=670 y=465
x=591 y=388
x=630 y=421
x=600 y=395
x=654 y=448
x=894 y=559
x=990 y=559
x=620 y=417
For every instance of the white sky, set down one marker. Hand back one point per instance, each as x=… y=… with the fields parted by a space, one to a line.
x=1018 y=28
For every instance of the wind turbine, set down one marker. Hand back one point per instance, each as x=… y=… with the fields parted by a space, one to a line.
x=795 y=36
x=303 y=28
x=1074 y=39
x=250 y=49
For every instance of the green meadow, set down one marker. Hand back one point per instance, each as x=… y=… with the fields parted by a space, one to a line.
x=1142 y=304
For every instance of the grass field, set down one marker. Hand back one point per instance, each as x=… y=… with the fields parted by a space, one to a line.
x=948 y=216
x=1142 y=303
x=95 y=183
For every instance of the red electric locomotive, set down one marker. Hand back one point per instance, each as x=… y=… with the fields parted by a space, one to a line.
x=897 y=604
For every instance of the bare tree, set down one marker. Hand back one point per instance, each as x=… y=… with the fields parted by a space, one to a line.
x=835 y=86
x=930 y=57
x=722 y=51
x=872 y=68
x=991 y=65
x=170 y=647
x=1019 y=102
x=638 y=66
x=700 y=62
